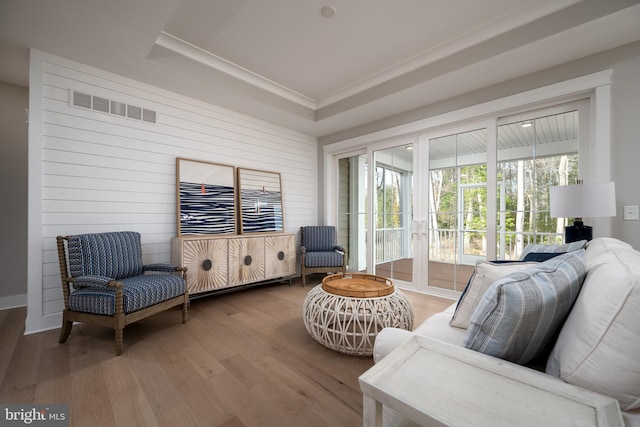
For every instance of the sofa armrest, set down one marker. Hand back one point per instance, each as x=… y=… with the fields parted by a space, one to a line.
x=387 y=340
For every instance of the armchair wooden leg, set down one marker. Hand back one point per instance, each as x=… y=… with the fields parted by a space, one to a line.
x=185 y=309
x=303 y=279
x=66 y=328
x=119 y=341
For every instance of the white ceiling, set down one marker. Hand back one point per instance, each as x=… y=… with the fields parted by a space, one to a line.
x=282 y=61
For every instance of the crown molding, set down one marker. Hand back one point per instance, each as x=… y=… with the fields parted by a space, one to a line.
x=195 y=53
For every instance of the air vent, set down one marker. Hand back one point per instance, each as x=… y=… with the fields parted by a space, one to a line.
x=149 y=116
x=134 y=112
x=117 y=108
x=101 y=104
x=81 y=100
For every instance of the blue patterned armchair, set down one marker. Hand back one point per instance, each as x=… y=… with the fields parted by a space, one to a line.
x=320 y=253
x=104 y=282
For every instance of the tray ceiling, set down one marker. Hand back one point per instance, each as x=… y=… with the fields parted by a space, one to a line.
x=283 y=61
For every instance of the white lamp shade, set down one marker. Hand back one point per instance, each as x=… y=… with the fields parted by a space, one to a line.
x=587 y=200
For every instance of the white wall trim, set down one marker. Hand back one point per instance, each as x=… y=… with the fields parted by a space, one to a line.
x=573 y=87
x=13 y=301
x=34 y=214
x=188 y=50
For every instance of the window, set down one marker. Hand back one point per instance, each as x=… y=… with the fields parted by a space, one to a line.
x=457 y=207
x=533 y=155
x=477 y=180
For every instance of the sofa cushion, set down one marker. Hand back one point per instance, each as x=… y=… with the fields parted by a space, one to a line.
x=599 y=345
x=436 y=326
x=521 y=313
x=567 y=247
x=484 y=274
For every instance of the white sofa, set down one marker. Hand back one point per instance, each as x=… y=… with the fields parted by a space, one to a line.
x=598 y=345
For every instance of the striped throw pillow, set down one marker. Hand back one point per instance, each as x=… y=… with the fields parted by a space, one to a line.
x=520 y=313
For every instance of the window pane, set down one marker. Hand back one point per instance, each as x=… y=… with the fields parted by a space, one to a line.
x=457 y=207
x=533 y=156
x=352 y=210
x=393 y=244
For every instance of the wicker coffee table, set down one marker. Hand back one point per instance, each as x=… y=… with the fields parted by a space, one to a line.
x=347 y=311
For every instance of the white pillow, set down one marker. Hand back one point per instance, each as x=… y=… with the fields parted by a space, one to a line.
x=599 y=345
x=485 y=273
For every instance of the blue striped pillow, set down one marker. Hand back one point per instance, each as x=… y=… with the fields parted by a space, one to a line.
x=520 y=313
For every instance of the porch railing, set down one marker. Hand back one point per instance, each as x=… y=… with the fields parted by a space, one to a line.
x=393 y=243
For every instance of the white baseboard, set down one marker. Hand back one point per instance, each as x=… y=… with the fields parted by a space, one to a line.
x=44 y=323
x=13 y=301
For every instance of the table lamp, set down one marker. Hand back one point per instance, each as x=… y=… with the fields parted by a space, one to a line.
x=582 y=200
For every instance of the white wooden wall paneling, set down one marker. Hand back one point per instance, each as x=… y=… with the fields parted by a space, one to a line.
x=103 y=172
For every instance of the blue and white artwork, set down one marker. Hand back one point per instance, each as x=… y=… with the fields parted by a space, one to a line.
x=207 y=198
x=260 y=201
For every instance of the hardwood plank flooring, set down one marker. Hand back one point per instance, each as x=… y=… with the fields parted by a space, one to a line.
x=243 y=359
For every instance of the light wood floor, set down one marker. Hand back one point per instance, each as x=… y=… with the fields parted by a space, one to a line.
x=243 y=359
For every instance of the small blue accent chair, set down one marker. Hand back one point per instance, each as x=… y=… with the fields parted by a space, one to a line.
x=320 y=252
x=104 y=282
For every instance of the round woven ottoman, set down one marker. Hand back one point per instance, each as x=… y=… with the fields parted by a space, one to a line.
x=347 y=311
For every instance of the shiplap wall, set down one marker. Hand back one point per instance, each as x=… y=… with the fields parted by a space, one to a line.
x=102 y=172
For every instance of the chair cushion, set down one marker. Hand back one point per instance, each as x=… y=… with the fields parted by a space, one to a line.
x=116 y=254
x=599 y=344
x=323 y=259
x=521 y=313
x=138 y=292
x=319 y=238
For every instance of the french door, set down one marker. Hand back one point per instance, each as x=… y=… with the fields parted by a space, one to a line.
x=423 y=210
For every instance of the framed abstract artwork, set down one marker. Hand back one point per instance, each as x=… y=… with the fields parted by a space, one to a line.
x=206 y=198
x=260 y=195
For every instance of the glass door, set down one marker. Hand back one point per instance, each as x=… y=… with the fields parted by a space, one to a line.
x=393 y=213
x=352 y=210
x=450 y=198
x=457 y=212
x=533 y=155
x=473 y=219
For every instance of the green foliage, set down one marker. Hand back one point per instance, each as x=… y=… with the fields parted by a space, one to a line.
x=535 y=179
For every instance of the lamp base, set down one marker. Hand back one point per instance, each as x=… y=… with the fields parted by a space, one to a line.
x=578 y=231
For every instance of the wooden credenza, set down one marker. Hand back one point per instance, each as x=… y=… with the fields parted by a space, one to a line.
x=218 y=262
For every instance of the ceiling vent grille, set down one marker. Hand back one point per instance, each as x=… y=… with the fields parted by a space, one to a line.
x=104 y=105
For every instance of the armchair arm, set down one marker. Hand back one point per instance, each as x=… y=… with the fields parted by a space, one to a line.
x=161 y=266
x=303 y=250
x=91 y=281
x=339 y=249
